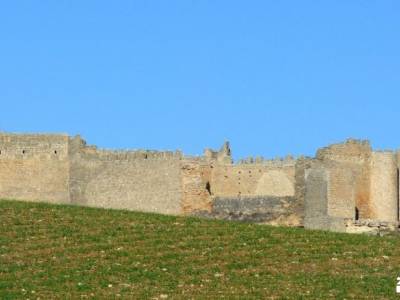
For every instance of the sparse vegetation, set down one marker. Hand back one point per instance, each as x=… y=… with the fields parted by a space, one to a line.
x=49 y=251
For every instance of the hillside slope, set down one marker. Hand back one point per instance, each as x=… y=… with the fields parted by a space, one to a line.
x=49 y=251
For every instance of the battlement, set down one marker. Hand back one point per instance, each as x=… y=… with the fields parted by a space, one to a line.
x=92 y=152
x=351 y=150
x=56 y=146
x=346 y=181
x=78 y=146
x=275 y=162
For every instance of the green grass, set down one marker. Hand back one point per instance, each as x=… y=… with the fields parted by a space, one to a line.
x=49 y=252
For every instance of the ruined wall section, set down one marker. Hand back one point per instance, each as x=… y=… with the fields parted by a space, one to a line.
x=316 y=202
x=298 y=208
x=34 y=167
x=196 y=186
x=345 y=182
x=148 y=181
x=259 y=190
x=270 y=178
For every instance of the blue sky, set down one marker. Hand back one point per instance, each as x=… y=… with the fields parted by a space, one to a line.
x=273 y=77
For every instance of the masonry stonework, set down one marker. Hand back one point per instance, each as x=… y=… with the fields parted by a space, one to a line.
x=384 y=186
x=346 y=187
x=34 y=167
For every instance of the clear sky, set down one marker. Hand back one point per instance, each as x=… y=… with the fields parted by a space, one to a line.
x=273 y=77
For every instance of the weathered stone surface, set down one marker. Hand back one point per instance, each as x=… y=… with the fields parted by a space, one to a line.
x=34 y=167
x=384 y=186
x=361 y=185
x=59 y=169
x=316 y=201
x=196 y=187
x=253 y=179
x=251 y=209
x=346 y=181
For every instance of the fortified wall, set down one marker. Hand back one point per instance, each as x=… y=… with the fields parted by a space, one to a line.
x=349 y=185
x=346 y=187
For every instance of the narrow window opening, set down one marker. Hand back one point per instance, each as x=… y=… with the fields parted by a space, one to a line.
x=208 y=188
x=23 y=151
x=357 y=214
x=0 y=152
x=55 y=151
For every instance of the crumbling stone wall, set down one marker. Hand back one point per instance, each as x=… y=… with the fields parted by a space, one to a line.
x=316 y=204
x=301 y=167
x=276 y=178
x=196 y=186
x=257 y=190
x=361 y=185
x=66 y=170
x=260 y=209
x=349 y=178
x=344 y=186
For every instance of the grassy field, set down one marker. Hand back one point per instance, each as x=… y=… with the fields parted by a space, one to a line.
x=49 y=252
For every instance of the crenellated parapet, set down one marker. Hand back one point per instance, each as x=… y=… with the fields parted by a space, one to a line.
x=345 y=185
x=357 y=151
x=351 y=181
x=79 y=147
x=259 y=160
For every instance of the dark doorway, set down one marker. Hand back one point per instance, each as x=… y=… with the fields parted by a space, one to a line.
x=208 y=188
x=357 y=214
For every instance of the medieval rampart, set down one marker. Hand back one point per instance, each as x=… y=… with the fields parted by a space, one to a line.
x=344 y=183
x=34 y=167
x=136 y=180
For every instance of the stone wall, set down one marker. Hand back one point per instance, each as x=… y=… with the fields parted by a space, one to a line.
x=259 y=209
x=34 y=167
x=345 y=183
x=136 y=180
x=255 y=179
x=59 y=169
x=349 y=178
x=361 y=185
x=316 y=202
x=258 y=191
x=384 y=186
x=196 y=186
